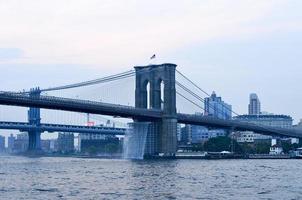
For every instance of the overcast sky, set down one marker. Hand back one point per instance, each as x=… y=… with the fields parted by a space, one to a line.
x=234 y=47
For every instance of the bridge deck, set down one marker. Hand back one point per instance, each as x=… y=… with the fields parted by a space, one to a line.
x=7 y=98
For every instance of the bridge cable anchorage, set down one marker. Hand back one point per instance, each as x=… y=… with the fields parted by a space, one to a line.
x=202 y=90
x=196 y=96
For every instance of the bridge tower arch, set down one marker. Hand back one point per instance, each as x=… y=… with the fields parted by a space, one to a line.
x=161 y=138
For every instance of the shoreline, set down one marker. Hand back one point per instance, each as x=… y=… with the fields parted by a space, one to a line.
x=177 y=157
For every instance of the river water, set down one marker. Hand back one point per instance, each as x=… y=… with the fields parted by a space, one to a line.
x=77 y=178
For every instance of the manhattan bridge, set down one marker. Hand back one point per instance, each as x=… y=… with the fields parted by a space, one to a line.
x=158 y=94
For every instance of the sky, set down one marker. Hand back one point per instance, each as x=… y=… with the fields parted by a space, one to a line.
x=235 y=47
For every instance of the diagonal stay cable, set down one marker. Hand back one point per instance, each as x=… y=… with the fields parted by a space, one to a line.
x=197 y=96
x=203 y=90
x=260 y=125
x=189 y=100
x=192 y=83
x=92 y=82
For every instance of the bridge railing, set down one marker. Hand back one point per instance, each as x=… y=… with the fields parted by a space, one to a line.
x=70 y=100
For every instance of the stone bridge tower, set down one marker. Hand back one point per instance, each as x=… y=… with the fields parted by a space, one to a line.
x=161 y=137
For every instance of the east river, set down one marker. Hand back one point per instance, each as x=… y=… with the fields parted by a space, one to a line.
x=78 y=178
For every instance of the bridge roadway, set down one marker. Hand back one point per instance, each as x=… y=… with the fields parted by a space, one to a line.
x=85 y=106
x=23 y=126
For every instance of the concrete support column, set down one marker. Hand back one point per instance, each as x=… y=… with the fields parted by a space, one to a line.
x=34 y=118
x=169 y=120
x=168 y=137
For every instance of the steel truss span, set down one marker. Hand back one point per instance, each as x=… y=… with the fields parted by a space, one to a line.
x=24 y=126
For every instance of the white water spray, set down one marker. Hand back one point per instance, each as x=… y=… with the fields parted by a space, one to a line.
x=135 y=140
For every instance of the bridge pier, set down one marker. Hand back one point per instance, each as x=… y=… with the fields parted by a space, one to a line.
x=162 y=135
x=34 y=118
x=168 y=137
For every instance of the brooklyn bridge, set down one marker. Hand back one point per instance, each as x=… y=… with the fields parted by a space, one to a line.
x=157 y=91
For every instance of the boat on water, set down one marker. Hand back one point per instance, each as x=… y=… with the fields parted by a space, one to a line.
x=297 y=153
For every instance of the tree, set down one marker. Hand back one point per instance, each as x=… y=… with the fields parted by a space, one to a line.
x=92 y=150
x=222 y=143
x=197 y=147
x=247 y=148
x=111 y=148
x=287 y=146
x=262 y=148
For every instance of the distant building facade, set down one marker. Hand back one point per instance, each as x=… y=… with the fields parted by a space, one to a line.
x=45 y=145
x=21 y=143
x=184 y=138
x=192 y=134
x=2 y=143
x=10 y=143
x=277 y=121
x=53 y=146
x=178 y=132
x=65 y=142
x=214 y=106
x=98 y=143
x=254 y=107
x=275 y=150
x=250 y=137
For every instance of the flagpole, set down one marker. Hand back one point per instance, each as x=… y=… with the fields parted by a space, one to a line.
x=153 y=57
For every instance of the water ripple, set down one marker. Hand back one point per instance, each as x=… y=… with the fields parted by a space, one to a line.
x=77 y=178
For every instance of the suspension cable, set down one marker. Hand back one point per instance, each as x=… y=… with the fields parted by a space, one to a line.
x=92 y=82
x=190 y=101
x=202 y=90
x=192 y=82
x=200 y=98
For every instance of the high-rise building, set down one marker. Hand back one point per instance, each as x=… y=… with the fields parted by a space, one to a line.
x=254 y=105
x=2 y=143
x=45 y=145
x=53 y=146
x=66 y=142
x=214 y=106
x=184 y=138
x=11 y=143
x=21 y=143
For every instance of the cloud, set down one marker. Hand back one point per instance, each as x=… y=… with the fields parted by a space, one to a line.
x=118 y=33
